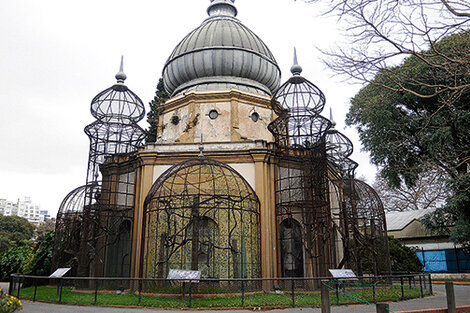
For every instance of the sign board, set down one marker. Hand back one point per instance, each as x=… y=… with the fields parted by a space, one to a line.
x=185 y=275
x=60 y=272
x=345 y=274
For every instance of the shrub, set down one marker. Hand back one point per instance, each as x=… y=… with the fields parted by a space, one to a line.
x=9 y=304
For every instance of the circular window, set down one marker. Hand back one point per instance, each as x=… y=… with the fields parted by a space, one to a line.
x=255 y=117
x=175 y=119
x=213 y=114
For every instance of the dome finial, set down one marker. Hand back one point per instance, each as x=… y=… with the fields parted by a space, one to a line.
x=333 y=123
x=296 y=69
x=222 y=8
x=120 y=76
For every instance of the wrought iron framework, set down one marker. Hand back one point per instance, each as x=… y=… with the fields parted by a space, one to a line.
x=319 y=222
x=202 y=215
x=364 y=229
x=104 y=205
x=305 y=226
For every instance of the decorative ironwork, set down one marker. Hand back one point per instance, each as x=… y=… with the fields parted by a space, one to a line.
x=302 y=194
x=202 y=215
x=324 y=221
x=364 y=229
x=104 y=205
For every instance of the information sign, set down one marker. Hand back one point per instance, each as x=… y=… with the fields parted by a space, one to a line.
x=60 y=272
x=345 y=273
x=185 y=275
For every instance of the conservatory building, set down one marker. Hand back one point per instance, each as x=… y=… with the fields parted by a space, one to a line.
x=246 y=179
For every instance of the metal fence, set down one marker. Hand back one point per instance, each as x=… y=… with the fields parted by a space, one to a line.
x=212 y=293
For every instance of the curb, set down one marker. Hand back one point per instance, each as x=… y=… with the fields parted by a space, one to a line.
x=464 y=308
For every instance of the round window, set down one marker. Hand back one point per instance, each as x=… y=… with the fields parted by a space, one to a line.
x=213 y=114
x=175 y=119
x=255 y=117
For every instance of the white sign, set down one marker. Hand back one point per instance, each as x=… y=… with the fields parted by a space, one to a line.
x=184 y=275
x=343 y=274
x=60 y=272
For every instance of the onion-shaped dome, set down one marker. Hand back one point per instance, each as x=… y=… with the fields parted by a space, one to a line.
x=118 y=103
x=221 y=53
x=204 y=204
x=299 y=131
x=298 y=96
x=347 y=166
x=338 y=146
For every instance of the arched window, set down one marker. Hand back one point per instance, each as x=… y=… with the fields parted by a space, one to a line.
x=292 y=259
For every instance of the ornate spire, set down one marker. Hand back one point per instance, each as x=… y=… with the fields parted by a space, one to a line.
x=120 y=76
x=296 y=69
x=222 y=8
x=333 y=123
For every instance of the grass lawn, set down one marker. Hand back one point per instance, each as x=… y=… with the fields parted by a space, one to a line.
x=302 y=299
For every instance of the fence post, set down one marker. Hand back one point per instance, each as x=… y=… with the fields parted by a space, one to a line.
x=183 y=287
x=96 y=291
x=243 y=293
x=325 y=298
x=421 y=286
x=402 y=289
x=35 y=290
x=190 y=292
x=382 y=308
x=19 y=287
x=293 y=295
x=12 y=281
x=451 y=306
x=373 y=289
x=60 y=290
x=140 y=291
x=430 y=283
x=337 y=292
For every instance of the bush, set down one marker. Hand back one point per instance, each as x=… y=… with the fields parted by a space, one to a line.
x=403 y=258
x=9 y=304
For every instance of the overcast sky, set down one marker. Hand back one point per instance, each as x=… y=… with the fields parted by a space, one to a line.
x=56 y=55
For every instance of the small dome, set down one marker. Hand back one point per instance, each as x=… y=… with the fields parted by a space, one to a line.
x=221 y=53
x=298 y=96
x=118 y=104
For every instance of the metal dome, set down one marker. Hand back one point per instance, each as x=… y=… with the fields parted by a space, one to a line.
x=221 y=53
x=118 y=103
x=202 y=214
x=298 y=96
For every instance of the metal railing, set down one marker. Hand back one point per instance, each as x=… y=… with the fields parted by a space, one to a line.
x=206 y=293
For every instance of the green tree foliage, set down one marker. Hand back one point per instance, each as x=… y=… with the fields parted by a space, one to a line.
x=12 y=260
x=155 y=110
x=13 y=231
x=45 y=228
x=403 y=258
x=40 y=259
x=415 y=117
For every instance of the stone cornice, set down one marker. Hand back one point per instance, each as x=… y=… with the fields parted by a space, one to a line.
x=222 y=95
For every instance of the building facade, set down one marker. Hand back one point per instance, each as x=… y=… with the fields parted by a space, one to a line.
x=246 y=177
x=24 y=208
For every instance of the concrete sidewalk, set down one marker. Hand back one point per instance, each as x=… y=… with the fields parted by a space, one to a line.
x=438 y=300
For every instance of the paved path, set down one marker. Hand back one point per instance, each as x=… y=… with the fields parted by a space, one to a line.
x=462 y=295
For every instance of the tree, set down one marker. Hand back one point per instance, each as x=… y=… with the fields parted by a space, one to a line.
x=155 y=110
x=14 y=230
x=428 y=192
x=412 y=120
x=46 y=227
x=379 y=34
x=40 y=258
x=403 y=258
